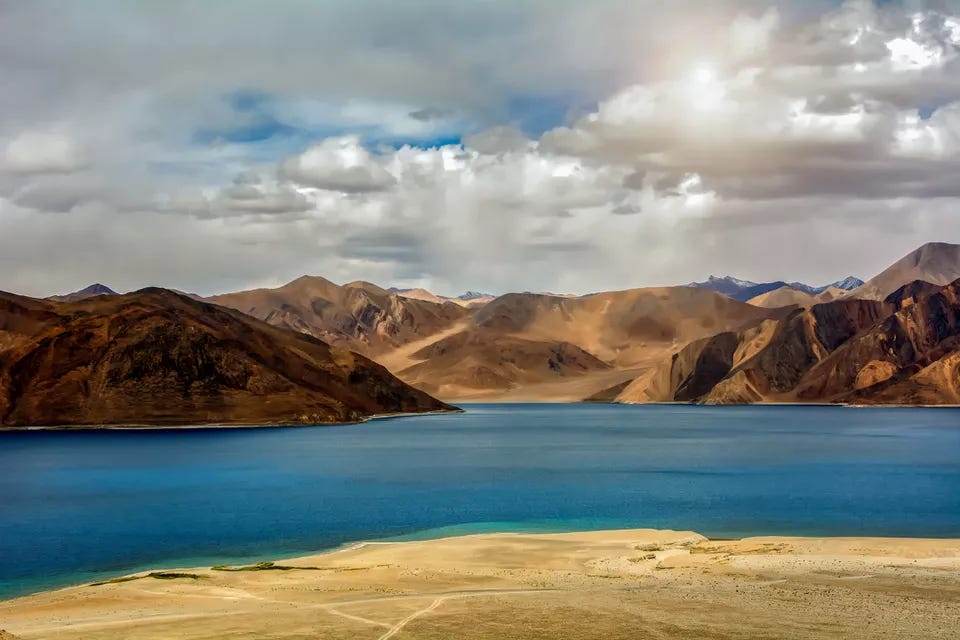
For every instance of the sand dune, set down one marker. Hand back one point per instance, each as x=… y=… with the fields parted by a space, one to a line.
x=605 y=584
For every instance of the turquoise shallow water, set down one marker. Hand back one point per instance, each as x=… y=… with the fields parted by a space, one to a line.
x=75 y=506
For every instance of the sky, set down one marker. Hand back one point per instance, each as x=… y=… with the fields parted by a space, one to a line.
x=491 y=145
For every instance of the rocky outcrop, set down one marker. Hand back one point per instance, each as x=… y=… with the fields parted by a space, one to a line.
x=905 y=343
x=909 y=293
x=156 y=357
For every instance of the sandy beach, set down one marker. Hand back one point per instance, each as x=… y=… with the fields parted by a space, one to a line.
x=607 y=584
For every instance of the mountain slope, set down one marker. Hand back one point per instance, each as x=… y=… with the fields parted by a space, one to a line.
x=903 y=351
x=481 y=361
x=359 y=316
x=525 y=342
x=619 y=327
x=789 y=296
x=160 y=358
x=882 y=363
x=470 y=299
x=935 y=262
x=474 y=298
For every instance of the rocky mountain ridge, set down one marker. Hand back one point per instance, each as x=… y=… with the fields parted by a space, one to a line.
x=155 y=357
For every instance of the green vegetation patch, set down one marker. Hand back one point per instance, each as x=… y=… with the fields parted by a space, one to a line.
x=158 y=575
x=265 y=566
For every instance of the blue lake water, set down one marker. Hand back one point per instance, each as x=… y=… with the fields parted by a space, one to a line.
x=78 y=505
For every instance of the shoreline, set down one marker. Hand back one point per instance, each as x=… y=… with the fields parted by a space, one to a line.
x=458 y=410
x=443 y=534
x=857 y=586
x=226 y=425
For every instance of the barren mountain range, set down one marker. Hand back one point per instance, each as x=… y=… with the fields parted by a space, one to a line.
x=160 y=358
x=788 y=295
x=904 y=350
x=893 y=339
x=469 y=299
x=748 y=291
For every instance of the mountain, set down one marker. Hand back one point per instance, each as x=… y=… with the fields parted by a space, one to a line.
x=470 y=299
x=156 y=357
x=758 y=290
x=93 y=290
x=905 y=350
x=533 y=346
x=935 y=262
x=472 y=296
x=741 y=290
x=745 y=290
x=911 y=292
x=483 y=361
x=727 y=285
x=788 y=295
x=420 y=294
x=847 y=284
x=359 y=316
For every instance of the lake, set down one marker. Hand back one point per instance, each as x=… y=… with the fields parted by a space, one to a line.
x=75 y=505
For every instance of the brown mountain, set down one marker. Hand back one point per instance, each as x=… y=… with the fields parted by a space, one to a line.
x=359 y=316
x=619 y=327
x=903 y=350
x=936 y=262
x=787 y=296
x=533 y=346
x=911 y=292
x=485 y=361
x=469 y=300
x=157 y=357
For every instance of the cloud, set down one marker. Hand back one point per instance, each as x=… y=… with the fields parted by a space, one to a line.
x=57 y=197
x=35 y=152
x=497 y=140
x=241 y=199
x=430 y=113
x=605 y=145
x=338 y=164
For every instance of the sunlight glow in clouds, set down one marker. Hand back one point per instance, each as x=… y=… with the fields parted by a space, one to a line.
x=703 y=74
x=908 y=55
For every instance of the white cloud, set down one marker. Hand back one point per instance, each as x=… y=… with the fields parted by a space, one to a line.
x=36 y=152
x=338 y=164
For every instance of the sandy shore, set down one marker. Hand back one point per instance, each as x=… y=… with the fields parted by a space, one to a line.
x=609 y=584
